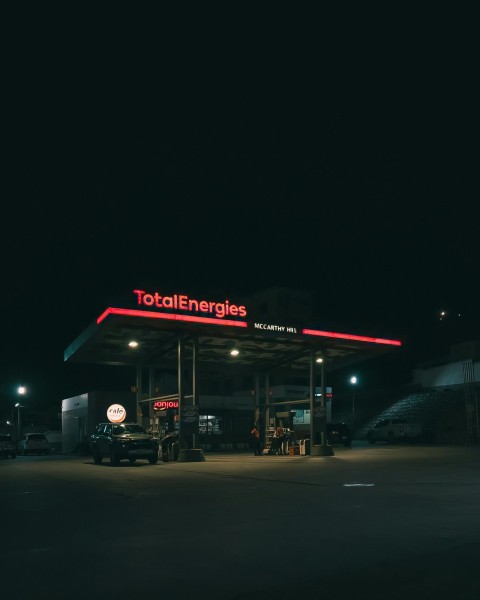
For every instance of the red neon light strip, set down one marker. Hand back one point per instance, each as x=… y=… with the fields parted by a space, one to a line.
x=169 y=317
x=348 y=336
x=229 y=323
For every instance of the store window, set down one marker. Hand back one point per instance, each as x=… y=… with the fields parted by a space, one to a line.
x=210 y=425
x=302 y=417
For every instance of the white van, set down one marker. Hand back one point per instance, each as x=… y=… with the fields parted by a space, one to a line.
x=34 y=443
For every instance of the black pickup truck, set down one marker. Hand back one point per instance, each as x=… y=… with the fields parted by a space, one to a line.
x=121 y=441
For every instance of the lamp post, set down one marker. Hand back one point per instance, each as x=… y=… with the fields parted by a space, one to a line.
x=353 y=381
x=18 y=406
x=21 y=391
x=318 y=413
x=320 y=361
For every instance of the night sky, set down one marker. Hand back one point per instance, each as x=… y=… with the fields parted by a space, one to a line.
x=220 y=167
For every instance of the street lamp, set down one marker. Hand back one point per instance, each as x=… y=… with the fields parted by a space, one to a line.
x=353 y=381
x=21 y=391
x=18 y=406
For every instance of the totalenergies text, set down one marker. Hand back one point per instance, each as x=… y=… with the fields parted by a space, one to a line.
x=182 y=302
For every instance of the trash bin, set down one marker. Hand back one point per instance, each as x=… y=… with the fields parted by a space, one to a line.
x=304 y=447
x=173 y=450
x=169 y=447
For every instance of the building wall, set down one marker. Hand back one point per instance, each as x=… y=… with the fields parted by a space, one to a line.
x=81 y=414
x=74 y=419
x=446 y=375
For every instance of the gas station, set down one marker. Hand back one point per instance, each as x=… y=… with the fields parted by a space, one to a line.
x=182 y=347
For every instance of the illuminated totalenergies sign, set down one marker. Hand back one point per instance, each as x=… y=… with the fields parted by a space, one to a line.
x=163 y=404
x=184 y=303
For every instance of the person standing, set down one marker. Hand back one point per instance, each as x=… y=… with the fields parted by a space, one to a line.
x=257 y=444
x=279 y=437
x=286 y=437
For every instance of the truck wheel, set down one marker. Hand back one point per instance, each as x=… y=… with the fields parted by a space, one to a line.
x=391 y=437
x=97 y=459
x=153 y=460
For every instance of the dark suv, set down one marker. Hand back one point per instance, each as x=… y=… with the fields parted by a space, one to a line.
x=339 y=433
x=121 y=441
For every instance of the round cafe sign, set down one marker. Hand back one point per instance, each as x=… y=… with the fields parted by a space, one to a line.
x=116 y=413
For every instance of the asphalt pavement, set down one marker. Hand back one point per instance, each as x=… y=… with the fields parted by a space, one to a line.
x=368 y=522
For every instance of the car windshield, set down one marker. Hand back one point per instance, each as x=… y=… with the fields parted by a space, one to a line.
x=128 y=428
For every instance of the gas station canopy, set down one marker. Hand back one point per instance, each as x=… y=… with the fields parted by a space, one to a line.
x=148 y=335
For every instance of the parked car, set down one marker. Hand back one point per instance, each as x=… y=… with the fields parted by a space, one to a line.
x=339 y=433
x=121 y=441
x=394 y=430
x=34 y=443
x=7 y=446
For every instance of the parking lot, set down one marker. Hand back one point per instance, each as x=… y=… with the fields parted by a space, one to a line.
x=377 y=521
